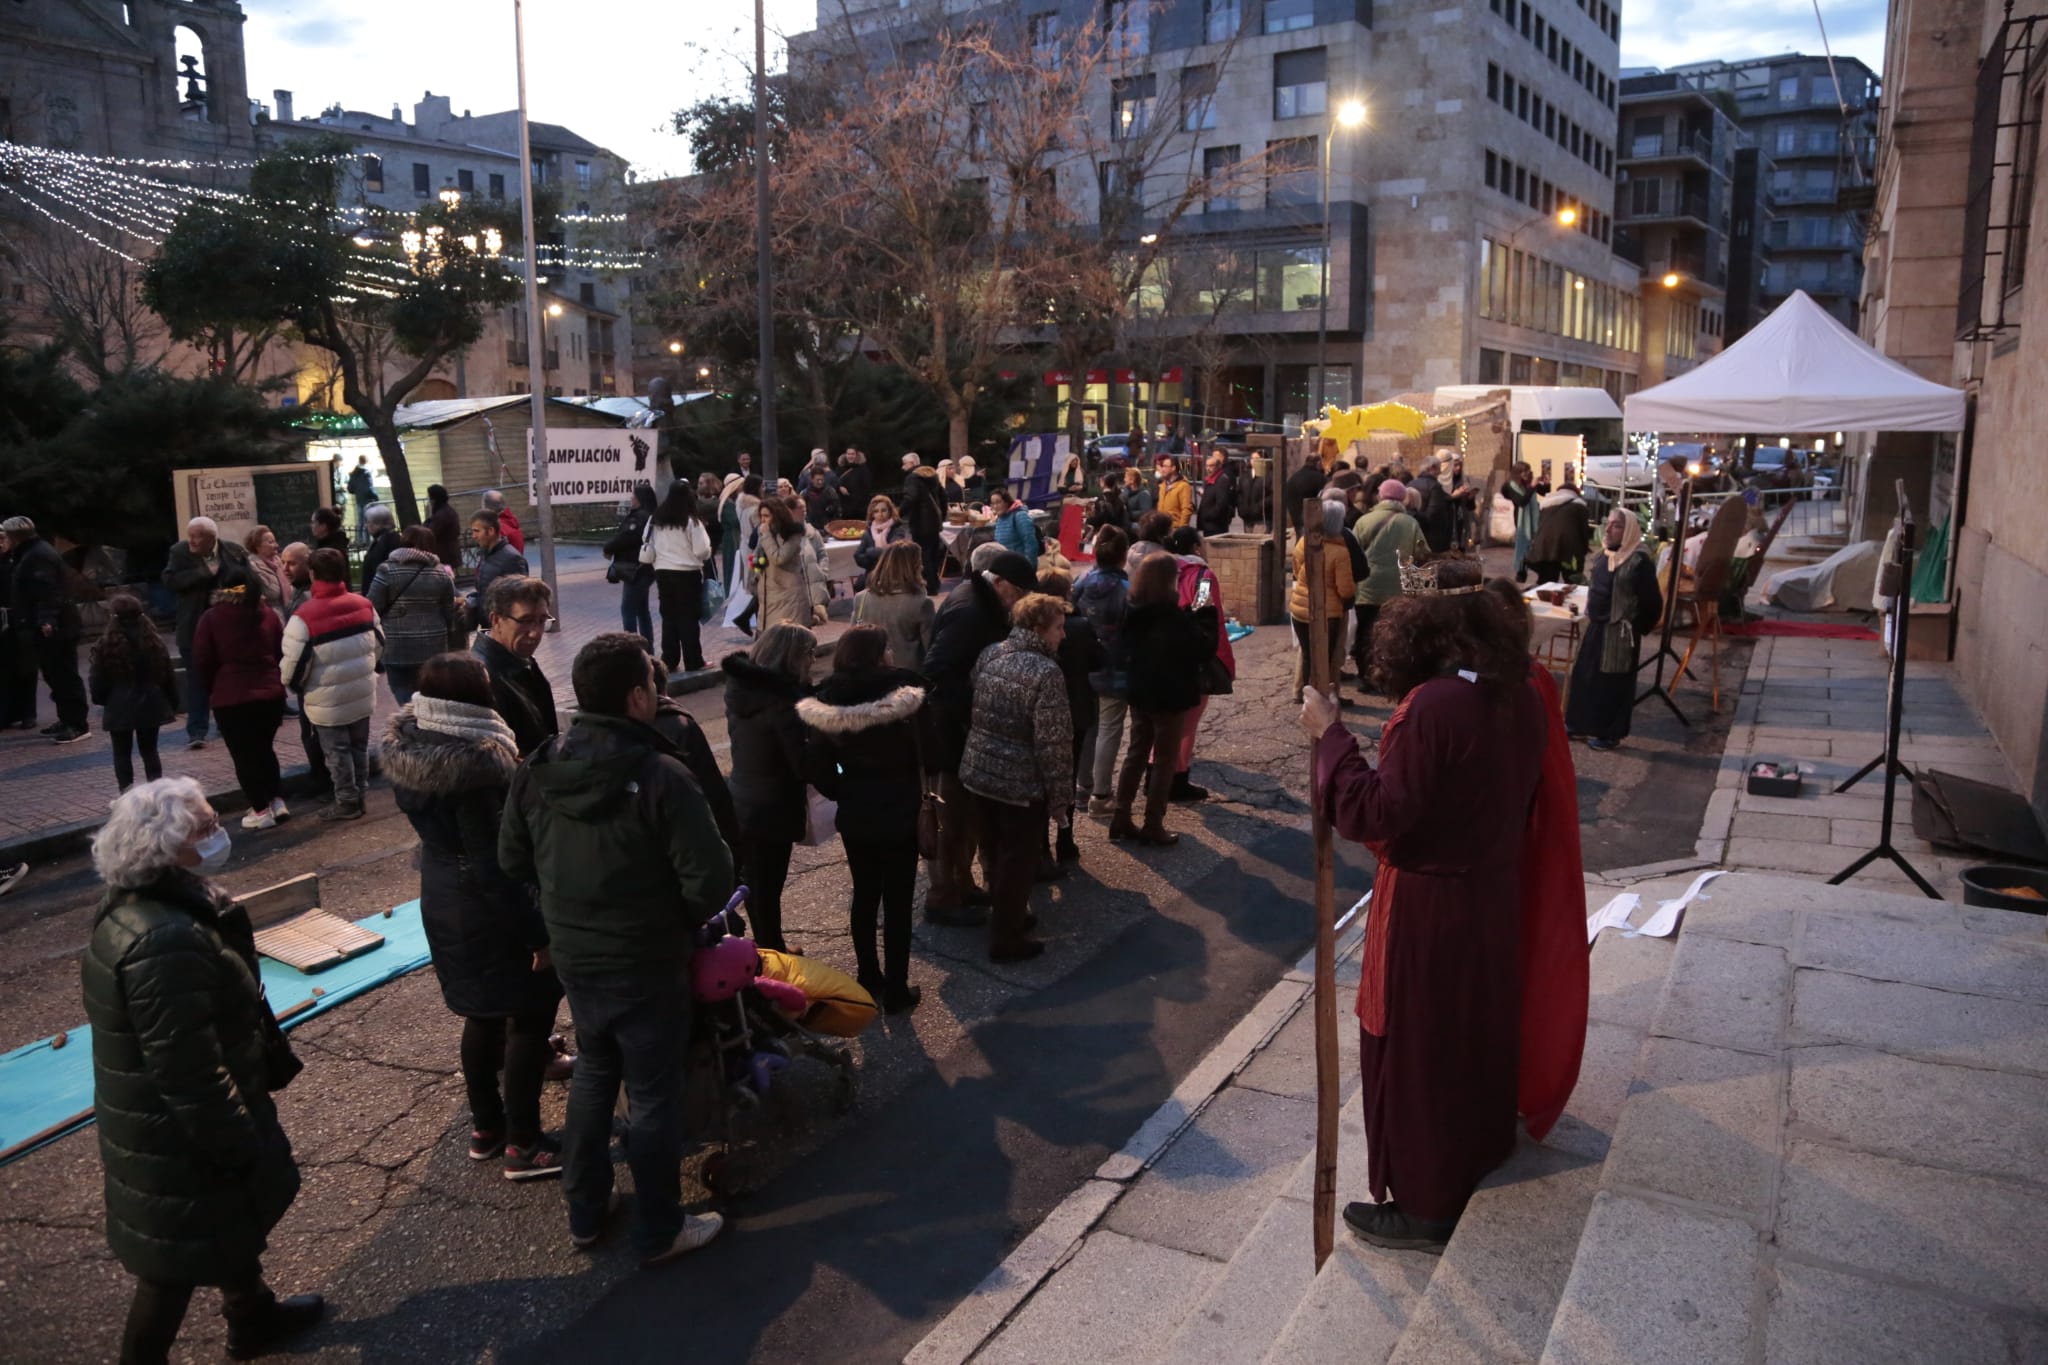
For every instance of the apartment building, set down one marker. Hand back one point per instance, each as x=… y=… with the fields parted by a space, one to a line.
x=404 y=165
x=1816 y=121
x=1470 y=237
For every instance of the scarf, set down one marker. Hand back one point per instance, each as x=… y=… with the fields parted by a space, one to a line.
x=1631 y=541
x=880 y=530
x=463 y=720
x=1561 y=497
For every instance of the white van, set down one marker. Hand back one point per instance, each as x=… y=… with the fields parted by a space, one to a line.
x=1559 y=410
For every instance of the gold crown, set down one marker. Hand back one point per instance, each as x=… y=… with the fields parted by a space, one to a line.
x=1420 y=580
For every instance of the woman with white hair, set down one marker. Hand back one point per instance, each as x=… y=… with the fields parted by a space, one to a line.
x=186 y=1056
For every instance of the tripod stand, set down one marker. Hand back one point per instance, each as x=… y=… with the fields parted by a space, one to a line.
x=1897 y=579
x=1664 y=649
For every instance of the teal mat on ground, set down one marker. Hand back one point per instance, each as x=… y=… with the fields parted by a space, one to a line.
x=42 y=1086
x=1236 y=632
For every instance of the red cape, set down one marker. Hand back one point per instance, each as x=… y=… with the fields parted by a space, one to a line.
x=1554 y=958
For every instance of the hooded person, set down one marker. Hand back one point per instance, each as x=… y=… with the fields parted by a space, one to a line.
x=1564 y=532
x=1623 y=604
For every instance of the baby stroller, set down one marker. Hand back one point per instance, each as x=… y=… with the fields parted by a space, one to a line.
x=747 y=1027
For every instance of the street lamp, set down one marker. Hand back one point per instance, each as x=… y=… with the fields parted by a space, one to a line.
x=675 y=348
x=1670 y=279
x=1350 y=114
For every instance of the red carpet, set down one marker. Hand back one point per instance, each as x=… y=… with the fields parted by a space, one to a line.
x=1797 y=630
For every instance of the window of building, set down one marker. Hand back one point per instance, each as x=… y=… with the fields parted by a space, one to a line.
x=1291 y=172
x=540 y=171
x=422 y=179
x=1788 y=90
x=1644 y=196
x=1492 y=169
x=1550 y=121
x=1198 y=98
x=466 y=181
x=497 y=184
x=2026 y=158
x=1818 y=182
x=1492 y=365
x=977 y=128
x=373 y=174
x=1220 y=20
x=1522 y=102
x=1300 y=84
x=583 y=175
x=1044 y=33
x=1527 y=15
x=1507 y=91
x=586 y=294
x=1130 y=105
x=1493 y=82
x=1787 y=141
x=1521 y=185
x=1290 y=279
x=1218 y=163
x=1128 y=23
x=1536 y=112
x=1519 y=368
x=1647 y=138
x=1118 y=189
x=1284 y=16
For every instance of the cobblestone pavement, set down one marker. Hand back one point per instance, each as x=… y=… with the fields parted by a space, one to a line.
x=975 y=1116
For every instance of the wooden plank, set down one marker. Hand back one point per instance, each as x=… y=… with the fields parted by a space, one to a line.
x=287 y=897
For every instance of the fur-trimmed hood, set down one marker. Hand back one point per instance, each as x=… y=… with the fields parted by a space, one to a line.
x=440 y=764
x=846 y=704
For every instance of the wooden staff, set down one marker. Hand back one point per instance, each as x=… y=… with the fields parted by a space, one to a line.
x=1319 y=663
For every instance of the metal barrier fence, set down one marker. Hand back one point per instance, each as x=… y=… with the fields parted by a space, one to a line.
x=1815 y=509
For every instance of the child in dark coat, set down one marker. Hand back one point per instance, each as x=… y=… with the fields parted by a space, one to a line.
x=129 y=677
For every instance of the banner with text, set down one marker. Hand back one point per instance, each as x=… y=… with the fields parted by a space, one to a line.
x=594 y=465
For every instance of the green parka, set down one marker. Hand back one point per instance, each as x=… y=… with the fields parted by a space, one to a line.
x=610 y=824
x=197 y=1167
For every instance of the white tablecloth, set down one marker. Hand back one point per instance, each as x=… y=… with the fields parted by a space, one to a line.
x=839 y=565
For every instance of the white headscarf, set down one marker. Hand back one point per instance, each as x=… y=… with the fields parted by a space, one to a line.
x=1631 y=539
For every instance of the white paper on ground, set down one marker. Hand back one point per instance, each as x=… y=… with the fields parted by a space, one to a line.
x=1665 y=922
x=1613 y=915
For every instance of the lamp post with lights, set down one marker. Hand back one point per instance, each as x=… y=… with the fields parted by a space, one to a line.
x=537 y=355
x=1350 y=114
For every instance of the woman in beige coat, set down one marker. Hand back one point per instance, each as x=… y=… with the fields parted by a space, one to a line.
x=777 y=573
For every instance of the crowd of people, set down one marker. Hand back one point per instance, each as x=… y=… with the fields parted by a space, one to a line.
x=575 y=863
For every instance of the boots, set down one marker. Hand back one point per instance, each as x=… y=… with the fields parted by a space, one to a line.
x=1064 y=848
x=261 y=1331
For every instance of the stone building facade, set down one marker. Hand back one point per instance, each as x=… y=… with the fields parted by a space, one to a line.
x=1948 y=290
x=1447 y=262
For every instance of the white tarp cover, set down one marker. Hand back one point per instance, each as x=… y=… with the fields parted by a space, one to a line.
x=1797 y=370
x=1841 y=582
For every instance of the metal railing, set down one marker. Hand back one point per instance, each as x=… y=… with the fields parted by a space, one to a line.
x=1815 y=509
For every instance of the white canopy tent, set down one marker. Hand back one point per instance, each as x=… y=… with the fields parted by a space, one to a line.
x=1797 y=370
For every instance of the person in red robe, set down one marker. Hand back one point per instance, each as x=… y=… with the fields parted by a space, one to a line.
x=1445 y=813
x=1555 y=966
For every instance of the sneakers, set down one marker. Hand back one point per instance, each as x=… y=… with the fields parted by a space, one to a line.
x=538 y=1162
x=698 y=1229
x=12 y=877
x=1102 y=805
x=259 y=819
x=67 y=735
x=337 y=811
x=584 y=1241
x=1385 y=1225
x=196 y=744
x=52 y=728
x=483 y=1146
x=278 y=809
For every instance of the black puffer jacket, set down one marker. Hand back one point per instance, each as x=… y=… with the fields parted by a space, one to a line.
x=1165 y=648
x=42 y=597
x=197 y=1167
x=767 y=749
x=482 y=927
x=862 y=745
x=681 y=730
x=971 y=619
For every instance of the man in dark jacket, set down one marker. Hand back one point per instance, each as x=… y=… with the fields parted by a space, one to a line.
x=1219 y=497
x=498 y=559
x=1436 y=513
x=976 y=615
x=519 y=611
x=1307 y=481
x=629 y=862
x=41 y=607
x=194 y=572
x=686 y=737
x=185 y=1059
x=446 y=524
x=382 y=529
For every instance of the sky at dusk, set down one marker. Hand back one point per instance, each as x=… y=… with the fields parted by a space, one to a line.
x=614 y=70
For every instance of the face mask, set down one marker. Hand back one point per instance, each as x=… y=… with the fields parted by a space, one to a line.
x=213 y=851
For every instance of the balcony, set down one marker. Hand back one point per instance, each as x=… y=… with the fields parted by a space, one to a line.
x=1671 y=209
x=515 y=353
x=1693 y=146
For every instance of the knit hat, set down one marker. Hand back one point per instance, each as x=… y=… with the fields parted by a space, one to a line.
x=1015 y=570
x=18 y=526
x=1393 y=490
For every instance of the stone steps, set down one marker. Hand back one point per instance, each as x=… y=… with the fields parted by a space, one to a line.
x=1489 y=1299
x=1830 y=1147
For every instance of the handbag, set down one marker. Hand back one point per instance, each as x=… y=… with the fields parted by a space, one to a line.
x=820 y=815
x=647 y=543
x=714 y=601
x=928 y=798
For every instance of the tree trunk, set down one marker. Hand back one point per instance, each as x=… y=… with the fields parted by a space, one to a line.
x=404 y=502
x=956 y=427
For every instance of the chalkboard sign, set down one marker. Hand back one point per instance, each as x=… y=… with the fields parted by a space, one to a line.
x=287 y=496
